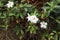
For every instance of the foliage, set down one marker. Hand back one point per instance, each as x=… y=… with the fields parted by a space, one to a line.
x=21 y=10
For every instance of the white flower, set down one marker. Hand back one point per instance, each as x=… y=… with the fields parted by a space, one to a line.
x=10 y=4
x=43 y=24
x=32 y=18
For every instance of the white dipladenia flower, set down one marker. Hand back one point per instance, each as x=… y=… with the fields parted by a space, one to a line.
x=32 y=18
x=43 y=24
x=10 y=4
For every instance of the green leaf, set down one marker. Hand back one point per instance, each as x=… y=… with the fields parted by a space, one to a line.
x=1 y=4
x=23 y=0
x=28 y=28
x=16 y=29
x=22 y=33
x=11 y=14
x=58 y=21
x=26 y=9
x=58 y=1
x=2 y=17
x=32 y=29
x=56 y=37
x=21 y=5
x=21 y=15
x=17 y=32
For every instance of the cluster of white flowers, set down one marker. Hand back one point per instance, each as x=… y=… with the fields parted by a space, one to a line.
x=43 y=25
x=10 y=4
x=32 y=18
